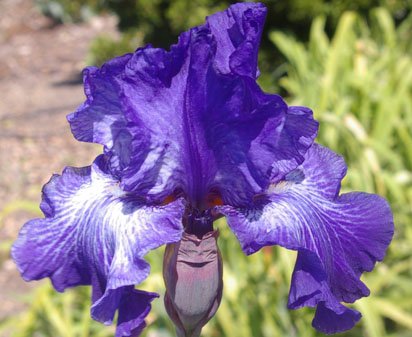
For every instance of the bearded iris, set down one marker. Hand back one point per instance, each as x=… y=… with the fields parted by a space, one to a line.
x=189 y=136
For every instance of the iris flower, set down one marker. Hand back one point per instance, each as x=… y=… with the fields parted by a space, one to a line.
x=188 y=137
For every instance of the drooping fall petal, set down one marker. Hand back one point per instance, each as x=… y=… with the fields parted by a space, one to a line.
x=337 y=237
x=95 y=234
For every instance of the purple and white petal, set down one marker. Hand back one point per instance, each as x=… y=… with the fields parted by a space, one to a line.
x=193 y=119
x=95 y=233
x=338 y=237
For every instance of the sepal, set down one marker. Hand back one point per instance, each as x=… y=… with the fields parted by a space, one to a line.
x=192 y=270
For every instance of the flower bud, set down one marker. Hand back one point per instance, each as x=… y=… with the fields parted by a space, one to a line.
x=192 y=270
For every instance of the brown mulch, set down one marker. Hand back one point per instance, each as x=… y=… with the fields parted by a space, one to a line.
x=40 y=83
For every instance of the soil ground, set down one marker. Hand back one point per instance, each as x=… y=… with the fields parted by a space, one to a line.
x=40 y=83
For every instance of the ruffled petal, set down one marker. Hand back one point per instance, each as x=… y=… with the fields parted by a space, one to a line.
x=193 y=119
x=95 y=233
x=297 y=136
x=338 y=237
x=310 y=288
x=237 y=32
x=100 y=119
x=133 y=309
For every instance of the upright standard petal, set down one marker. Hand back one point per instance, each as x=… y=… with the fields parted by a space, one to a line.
x=237 y=32
x=337 y=237
x=95 y=233
x=100 y=119
x=193 y=118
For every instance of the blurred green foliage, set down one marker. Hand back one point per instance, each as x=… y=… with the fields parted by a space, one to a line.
x=105 y=47
x=359 y=84
x=160 y=22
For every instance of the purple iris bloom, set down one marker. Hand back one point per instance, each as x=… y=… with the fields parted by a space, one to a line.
x=188 y=137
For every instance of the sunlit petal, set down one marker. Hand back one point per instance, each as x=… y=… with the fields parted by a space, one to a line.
x=338 y=237
x=95 y=233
